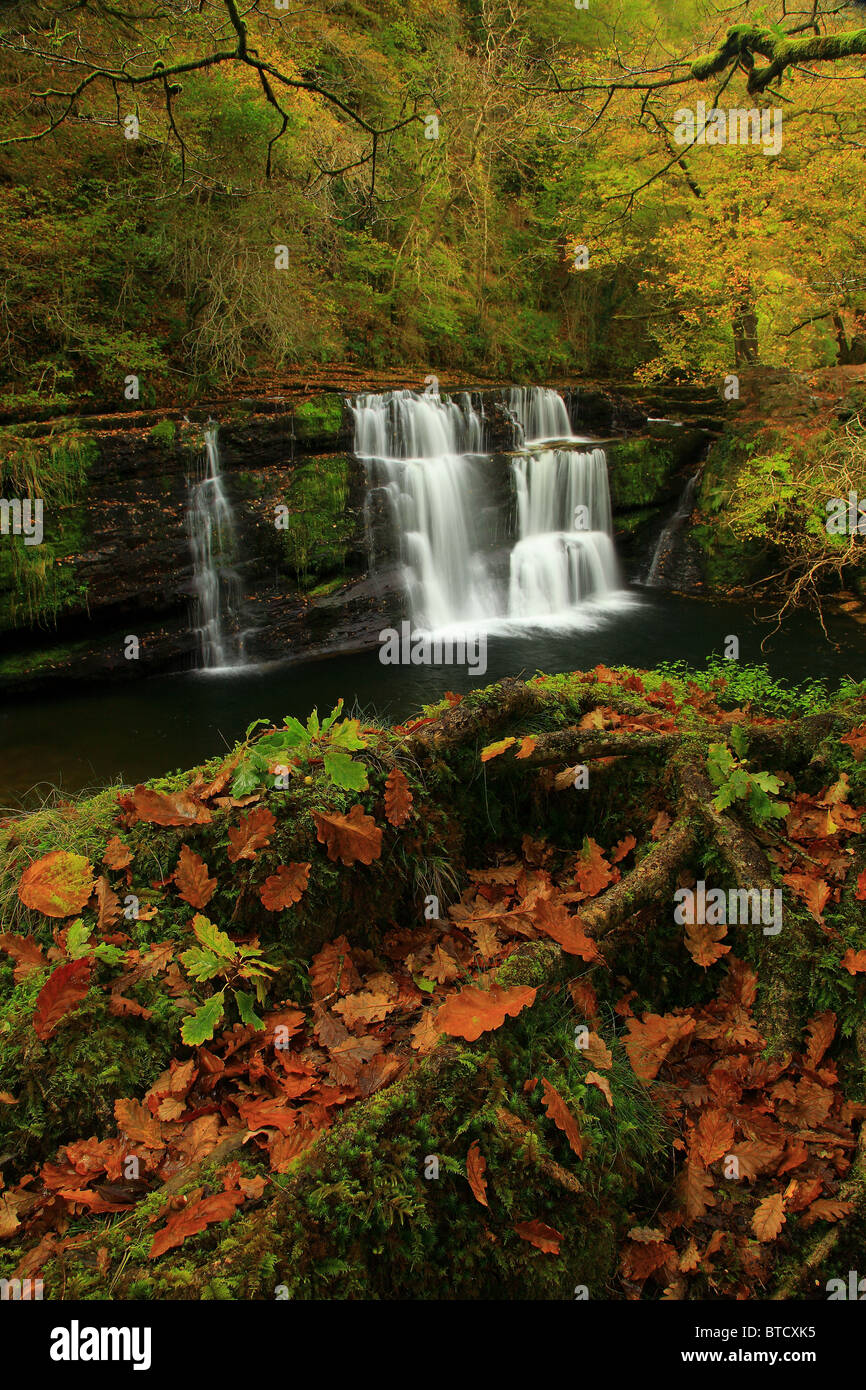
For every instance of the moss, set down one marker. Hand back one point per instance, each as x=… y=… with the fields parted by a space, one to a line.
x=641 y=472
x=316 y=541
x=318 y=417
x=164 y=433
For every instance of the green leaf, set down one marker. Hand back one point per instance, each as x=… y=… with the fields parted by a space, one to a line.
x=77 y=939
x=313 y=724
x=200 y=1026
x=422 y=982
x=345 y=772
x=111 y=955
x=250 y=775
x=296 y=735
x=332 y=716
x=201 y=965
x=347 y=734
x=255 y=724
x=246 y=1009
x=213 y=939
x=739 y=740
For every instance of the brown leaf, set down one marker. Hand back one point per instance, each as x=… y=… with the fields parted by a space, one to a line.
x=442 y=967
x=332 y=968
x=63 y=991
x=26 y=954
x=651 y=1040
x=562 y=1117
x=544 y=1237
x=122 y=1007
x=592 y=871
x=194 y=1218
x=702 y=942
x=471 y=1012
x=353 y=839
x=177 y=809
x=594 y=1078
x=713 y=1137
x=253 y=833
x=475 y=1168
x=769 y=1218
x=285 y=1148
x=191 y=878
x=57 y=885
x=137 y=1123
x=854 y=961
x=117 y=855
x=660 y=825
x=366 y=1007
x=107 y=904
x=694 y=1185
x=398 y=798
x=622 y=848
x=527 y=746
x=821 y=1030
x=285 y=888
x=553 y=919
x=425 y=1032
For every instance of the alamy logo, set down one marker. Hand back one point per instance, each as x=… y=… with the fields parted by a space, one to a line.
x=22 y=518
x=76 y=1343
x=855 y=1289
x=409 y=647
x=846 y=516
x=738 y=906
x=21 y=1290
x=736 y=126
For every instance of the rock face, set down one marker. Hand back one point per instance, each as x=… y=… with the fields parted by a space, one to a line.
x=117 y=561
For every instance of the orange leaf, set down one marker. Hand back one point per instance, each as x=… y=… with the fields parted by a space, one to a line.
x=562 y=1117
x=854 y=961
x=856 y=741
x=352 y=839
x=117 y=855
x=651 y=1040
x=471 y=1012
x=253 y=833
x=58 y=885
x=660 y=825
x=554 y=920
x=543 y=1237
x=475 y=1169
x=137 y=1123
x=194 y=1218
x=527 y=746
x=769 y=1217
x=703 y=940
x=284 y=888
x=25 y=953
x=493 y=750
x=63 y=990
x=592 y=869
x=177 y=809
x=191 y=878
x=594 y=1078
x=622 y=848
x=713 y=1136
x=398 y=798
x=107 y=904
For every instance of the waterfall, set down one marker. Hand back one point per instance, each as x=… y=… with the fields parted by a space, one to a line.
x=419 y=449
x=667 y=541
x=564 y=552
x=425 y=455
x=216 y=585
x=539 y=413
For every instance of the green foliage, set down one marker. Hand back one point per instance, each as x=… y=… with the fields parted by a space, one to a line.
x=300 y=749
x=736 y=782
x=216 y=955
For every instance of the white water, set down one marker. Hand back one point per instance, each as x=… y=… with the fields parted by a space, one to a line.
x=665 y=542
x=425 y=454
x=215 y=583
x=540 y=413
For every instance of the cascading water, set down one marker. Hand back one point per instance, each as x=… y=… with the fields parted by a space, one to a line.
x=565 y=552
x=215 y=582
x=539 y=412
x=425 y=455
x=666 y=545
x=419 y=449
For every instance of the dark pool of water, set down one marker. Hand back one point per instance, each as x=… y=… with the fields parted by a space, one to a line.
x=140 y=730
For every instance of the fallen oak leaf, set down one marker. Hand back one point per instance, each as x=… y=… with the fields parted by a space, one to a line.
x=495 y=750
x=157 y=808
x=594 y=1078
x=471 y=1012
x=27 y=955
x=476 y=1166
x=354 y=838
x=252 y=834
x=191 y=879
x=117 y=855
x=285 y=888
x=562 y=1117
x=194 y=1218
x=769 y=1217
x=398 y=798
x=543 y=1237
